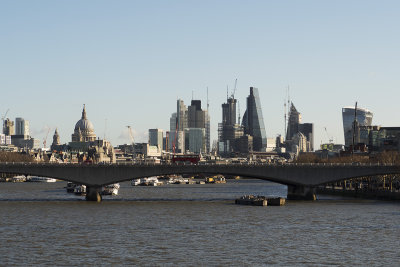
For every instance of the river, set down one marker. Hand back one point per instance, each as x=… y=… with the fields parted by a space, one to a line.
x=193 y=225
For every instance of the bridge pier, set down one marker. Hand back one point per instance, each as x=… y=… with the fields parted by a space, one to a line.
x=301 y=192
x=93 y=193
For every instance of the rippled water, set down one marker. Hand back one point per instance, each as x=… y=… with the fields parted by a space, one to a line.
x=192 y=225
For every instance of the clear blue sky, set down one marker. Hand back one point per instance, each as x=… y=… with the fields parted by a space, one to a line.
x=129 y=61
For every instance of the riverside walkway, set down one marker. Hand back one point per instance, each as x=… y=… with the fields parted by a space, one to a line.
x=300 y=178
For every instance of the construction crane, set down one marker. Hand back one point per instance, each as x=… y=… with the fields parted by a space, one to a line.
x=234 y=90
x=130 y=134
x=329 y=138
x=45 y=139
x=3 y=118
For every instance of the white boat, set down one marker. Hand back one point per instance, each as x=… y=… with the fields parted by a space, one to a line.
x=40 y=179
x=111 y=189
x=147 y=181
x=18 y=179
x=80 y=189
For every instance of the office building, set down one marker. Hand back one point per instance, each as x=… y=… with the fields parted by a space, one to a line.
x=8 y=127
x=156 y=138
x=21 y=127
x=253 y=121
x=362 y=117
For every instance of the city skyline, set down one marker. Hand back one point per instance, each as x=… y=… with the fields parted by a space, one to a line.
x=130 y=68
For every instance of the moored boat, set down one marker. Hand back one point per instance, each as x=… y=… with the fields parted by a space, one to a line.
x=111 y=189
x=40 y=179
x=80 y=190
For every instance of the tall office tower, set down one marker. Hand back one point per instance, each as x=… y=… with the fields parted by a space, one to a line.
x=307 y=129
x=199 y=119
x=228 y=130
x=173 y=122
x=8 y=127
x=253 y=121
x=363 y=118
x=156 y=137
x=21 y=127
x=181 y=115
x=293 y=122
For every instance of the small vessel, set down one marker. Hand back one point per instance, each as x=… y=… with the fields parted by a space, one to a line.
x=40 y=179
x=260 y=201
x=111 y=189
x=70 y=187
x=252 y=200
x=18 y=179
x=220 y=179
x=80 y=189
x=146 y=181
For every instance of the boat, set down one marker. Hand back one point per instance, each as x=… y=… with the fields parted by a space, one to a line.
x=220 y=179
x=111 y=189
x=252 y=200
x=70 y=187
x=40 y=179
x=260 y=201
x=18 y=179
x=146 y=181
x=80 y=189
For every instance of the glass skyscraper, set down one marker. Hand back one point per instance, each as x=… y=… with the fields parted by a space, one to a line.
x=364 y=118
x=253 y=121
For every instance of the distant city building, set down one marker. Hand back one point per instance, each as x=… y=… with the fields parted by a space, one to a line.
x=363 y=118
x=195 y=140
x=229 y=131
x=156 y=137
x=84 y=131
x=5 y=139
x=293 y=122
x=294 y=141
x=56 y=142
x=21 y=127
x=253 y=121
x=84 y=142
x=187 y=118
x=8 y=127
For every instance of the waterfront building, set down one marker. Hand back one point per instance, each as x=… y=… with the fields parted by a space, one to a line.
x=253 y=121
x=362 y=116
x=21 y=127
x=8 y=127
x=156 y=138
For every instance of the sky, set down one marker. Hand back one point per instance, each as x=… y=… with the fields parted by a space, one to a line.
x=129 y=61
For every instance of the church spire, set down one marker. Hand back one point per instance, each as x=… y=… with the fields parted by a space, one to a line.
x=84 y=112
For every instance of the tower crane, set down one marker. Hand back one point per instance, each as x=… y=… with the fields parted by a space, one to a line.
x=130 y=134
x=234 y=89
x=45 y=139
x=329 y=138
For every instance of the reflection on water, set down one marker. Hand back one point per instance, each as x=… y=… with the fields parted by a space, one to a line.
x=41 y=224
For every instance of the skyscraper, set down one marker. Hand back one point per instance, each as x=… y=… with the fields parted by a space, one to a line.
x=364 y=118
x=156 y=137
x=21 y=127
x=253 y=121
x=228 y=131
x=293 y=122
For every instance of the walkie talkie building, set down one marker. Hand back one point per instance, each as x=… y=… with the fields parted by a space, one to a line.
x=363 y=116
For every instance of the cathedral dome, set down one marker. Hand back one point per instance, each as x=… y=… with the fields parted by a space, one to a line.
x=84 y=130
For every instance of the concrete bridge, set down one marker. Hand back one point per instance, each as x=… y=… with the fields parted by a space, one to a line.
x=300 y=178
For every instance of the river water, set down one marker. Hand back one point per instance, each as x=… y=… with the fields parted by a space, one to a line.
x=192 y=225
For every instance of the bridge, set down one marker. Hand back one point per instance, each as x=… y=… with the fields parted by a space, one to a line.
x=301 y=179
